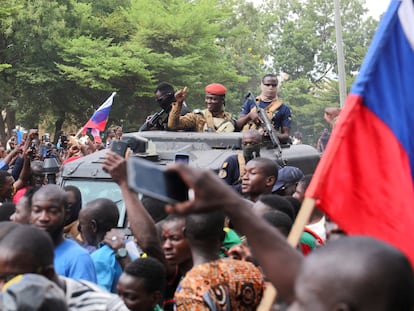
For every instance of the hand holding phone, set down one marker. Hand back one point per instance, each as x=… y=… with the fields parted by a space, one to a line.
x=33 y=133
x=182 y=157
x=119 y=147
x=155 y=181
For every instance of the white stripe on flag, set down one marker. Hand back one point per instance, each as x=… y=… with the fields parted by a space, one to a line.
x=406 y=15
x=107 y=102
x=95 y=132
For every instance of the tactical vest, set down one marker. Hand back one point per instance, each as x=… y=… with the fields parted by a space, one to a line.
x=270 y=110
x=218 y=125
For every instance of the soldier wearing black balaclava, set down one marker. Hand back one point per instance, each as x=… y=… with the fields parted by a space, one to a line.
x=164 y=96
x=232 y=168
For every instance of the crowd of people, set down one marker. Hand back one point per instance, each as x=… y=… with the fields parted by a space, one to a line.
x=219 y=250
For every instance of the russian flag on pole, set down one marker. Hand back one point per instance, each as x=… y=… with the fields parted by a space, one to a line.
x=364 y=181
x=97 y=122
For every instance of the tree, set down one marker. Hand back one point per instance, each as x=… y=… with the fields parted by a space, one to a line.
x=31 y=50
x=7 y=103
x=304 y=48
x=181 y=42
x=63 y=58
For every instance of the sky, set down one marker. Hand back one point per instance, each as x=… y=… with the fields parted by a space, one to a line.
x=377 y=7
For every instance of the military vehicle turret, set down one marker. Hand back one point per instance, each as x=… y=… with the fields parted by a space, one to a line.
x=205 y=150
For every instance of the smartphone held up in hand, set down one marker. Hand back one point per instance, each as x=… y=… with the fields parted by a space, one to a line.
x=182 y=157
x=120 y=147
x=155 y=181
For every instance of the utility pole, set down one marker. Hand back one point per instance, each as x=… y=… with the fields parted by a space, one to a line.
x=340 y=54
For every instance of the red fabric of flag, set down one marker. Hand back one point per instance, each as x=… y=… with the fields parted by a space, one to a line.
x=364 y=181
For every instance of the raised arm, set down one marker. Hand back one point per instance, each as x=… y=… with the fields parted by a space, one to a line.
x=10 y=157
x=279 y=261
x=141 y=223
x=25 y=173
x=174 y=115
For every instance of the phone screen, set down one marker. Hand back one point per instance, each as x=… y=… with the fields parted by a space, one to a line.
x=155 y=181
x=119 y=147
x=182 y=157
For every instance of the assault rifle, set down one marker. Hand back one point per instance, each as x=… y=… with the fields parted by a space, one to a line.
x=153 y=121
x=267 y=126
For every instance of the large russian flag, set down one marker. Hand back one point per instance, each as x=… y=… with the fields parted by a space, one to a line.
x=98 y=120
x=364 y=181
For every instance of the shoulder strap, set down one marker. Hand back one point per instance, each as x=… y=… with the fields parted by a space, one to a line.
x=209 y=120
x=227 y=116
x=270 y=109
x=274 y=105
x=242 y=165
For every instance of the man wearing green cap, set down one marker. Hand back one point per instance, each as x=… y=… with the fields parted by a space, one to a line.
x=212 y=119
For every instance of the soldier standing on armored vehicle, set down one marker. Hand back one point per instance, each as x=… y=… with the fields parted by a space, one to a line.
x=233 y=167
x=164 y=96
x=212 y=119
x=278 y=112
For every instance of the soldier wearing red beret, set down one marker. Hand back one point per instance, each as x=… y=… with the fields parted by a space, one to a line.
x=211 y=119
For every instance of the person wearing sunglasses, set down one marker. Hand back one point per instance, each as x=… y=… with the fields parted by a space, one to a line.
x=279 y=113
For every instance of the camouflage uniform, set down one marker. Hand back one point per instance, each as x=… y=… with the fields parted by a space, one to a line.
x=200 y=121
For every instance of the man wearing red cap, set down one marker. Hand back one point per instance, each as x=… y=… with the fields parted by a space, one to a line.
x=212 y=119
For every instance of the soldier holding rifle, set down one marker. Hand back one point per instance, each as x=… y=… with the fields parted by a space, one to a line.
x=164 y=96
x=278 y=113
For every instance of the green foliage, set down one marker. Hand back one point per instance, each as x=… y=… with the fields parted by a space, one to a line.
x=186 y=39
x=99 y=64
x=63 y=58
x=304 y=48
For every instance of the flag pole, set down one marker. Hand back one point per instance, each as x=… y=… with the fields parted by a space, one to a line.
x=340 y=54
x=79 y=132
x=293 y=239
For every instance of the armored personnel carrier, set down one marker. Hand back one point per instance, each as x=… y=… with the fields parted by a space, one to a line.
x=209 y=150
x=204 y=150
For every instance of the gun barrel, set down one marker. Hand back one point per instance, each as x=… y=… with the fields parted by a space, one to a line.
x=269 y=129
x=152 y=121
